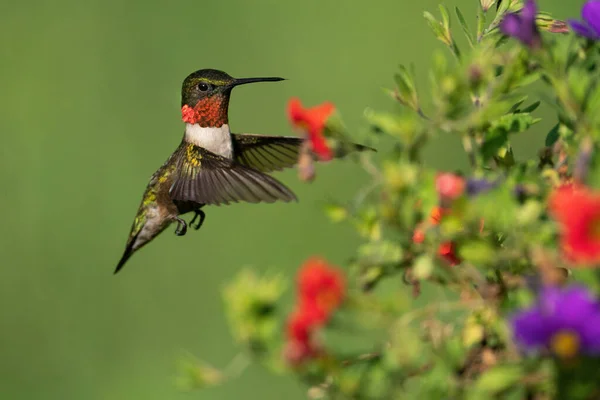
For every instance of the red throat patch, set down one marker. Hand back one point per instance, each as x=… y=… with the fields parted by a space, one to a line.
x=208 y=112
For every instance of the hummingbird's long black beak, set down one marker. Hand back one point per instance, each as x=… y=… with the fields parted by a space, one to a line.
x=243 y=81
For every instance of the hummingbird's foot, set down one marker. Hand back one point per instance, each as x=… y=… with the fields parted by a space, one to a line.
x=199 y=214
x=181 y=227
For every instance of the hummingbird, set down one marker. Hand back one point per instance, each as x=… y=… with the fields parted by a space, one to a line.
x=211 y=165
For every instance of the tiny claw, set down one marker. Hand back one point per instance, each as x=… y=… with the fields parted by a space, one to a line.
x=201 y=215
x=181 y=227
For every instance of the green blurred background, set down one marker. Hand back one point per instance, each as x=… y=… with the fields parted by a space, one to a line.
x=90 y=109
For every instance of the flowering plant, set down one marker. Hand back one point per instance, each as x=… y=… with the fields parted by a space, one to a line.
x=476 y=284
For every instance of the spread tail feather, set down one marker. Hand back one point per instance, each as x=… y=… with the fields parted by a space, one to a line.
x=128 y=252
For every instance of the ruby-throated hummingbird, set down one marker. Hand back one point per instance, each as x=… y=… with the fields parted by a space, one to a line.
x=211 y=166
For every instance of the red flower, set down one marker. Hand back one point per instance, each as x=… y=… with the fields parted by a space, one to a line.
x=449 y=186
x=299 y=325
x=418 y=235
x=320 y=287
x=312 y=120
x=436 y=215
x=577 y=210
x=300 y=344
x=434 y=219
x=321 y=290
x=448 y=252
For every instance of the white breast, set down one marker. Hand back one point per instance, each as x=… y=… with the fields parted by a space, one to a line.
x=217 y=140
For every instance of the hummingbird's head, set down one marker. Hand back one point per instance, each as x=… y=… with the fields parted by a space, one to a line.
x=205 y=96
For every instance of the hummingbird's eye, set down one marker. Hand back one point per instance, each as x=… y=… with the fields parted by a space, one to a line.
x=203 y=87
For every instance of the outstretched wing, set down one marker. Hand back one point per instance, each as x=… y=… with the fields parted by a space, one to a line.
x=274 y=153
x=266 y=153
x=207 y=178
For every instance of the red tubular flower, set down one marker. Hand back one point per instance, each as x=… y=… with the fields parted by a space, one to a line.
x=577 y=210
x=449 y=186
x=418 y=235
x=321 y=288
x=448 y=252
x=436 y=215
x=299 y=345
x=312 y=120
x=301 y=324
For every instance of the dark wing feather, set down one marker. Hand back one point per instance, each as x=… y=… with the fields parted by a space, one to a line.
x=274 y=153
x=207 y=178
x=266 y=153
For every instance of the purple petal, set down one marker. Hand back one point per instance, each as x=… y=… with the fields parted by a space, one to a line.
x=532 y=329
x=521 y=28
x=591 y=14
x=549 y=298
x=582 y=29
x=511 y=25
x=529 y=11
x=589 y=334
x=575 y=307
x=476 y=186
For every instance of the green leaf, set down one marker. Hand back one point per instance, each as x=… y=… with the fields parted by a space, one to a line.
x=532 y=107
x=505 y=157
x=502 y=7
x=195 y=374
x=438 y=29
x=473 y=331
x=496 y=380
x=579 y=382
x=399 y=175
x=405 y=346
x=497 y=135
x=481 y=20
x=514 y=123
x=580 y=82
x=593 y=104
x=515 y=107
x=404 y=80
x=493 y=144
x=445 y=17
x=464 y=26
x=381 y=252
x=455 y=352
x=477 y=252
x=407 y=94
x=336 y=212
x=250 y=304
x=552 y=136
x=405 y=126
x=497 y=207
x=423 y=267
x=529 y=212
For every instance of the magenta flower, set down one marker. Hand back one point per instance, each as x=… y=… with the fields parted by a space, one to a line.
x=590 y=26
x=565 y=321
x=522 y=25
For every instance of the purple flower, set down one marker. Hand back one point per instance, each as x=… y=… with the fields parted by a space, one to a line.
x=477 y=186
x=590 y=26
x=522 y=26
x=565 y=321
